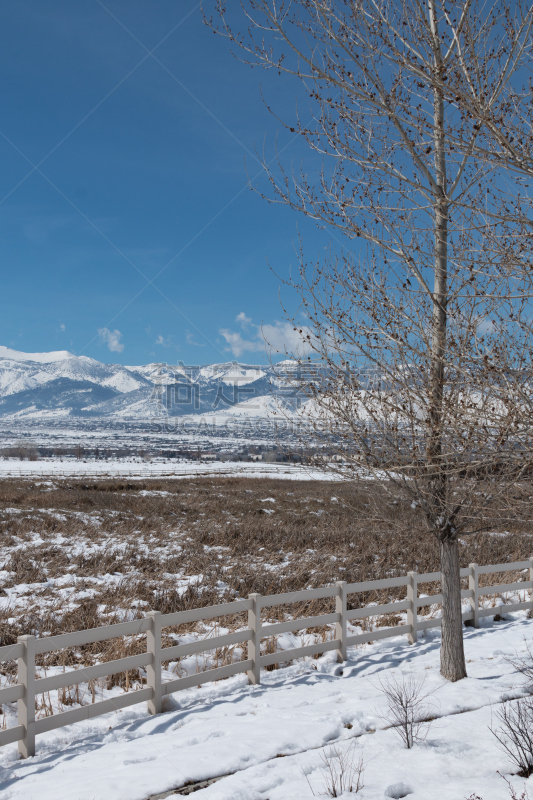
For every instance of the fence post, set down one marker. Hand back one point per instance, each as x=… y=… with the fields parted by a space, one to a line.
x=153 y=670
x=531 y=579
x=254 y=642
x=341 y=627
x=26 y=705
x=473 y=585
x=412 y=611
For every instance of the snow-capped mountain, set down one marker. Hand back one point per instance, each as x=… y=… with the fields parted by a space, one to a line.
x=60 y=384
x=26 y=371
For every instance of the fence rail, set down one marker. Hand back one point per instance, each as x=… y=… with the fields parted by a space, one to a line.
x=209 y=469
x=28 y=647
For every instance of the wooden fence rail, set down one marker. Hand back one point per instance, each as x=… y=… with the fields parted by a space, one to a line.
x=28 y=647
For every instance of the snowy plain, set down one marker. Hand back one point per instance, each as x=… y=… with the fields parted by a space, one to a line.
x=273 y=737
x=125 y=468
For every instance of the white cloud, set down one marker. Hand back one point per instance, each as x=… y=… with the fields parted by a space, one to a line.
x=237 y=344
x=62 y=326
x=190 y=340
x=165 y=342
x=277 y=337
x=283 y=337
x=112 y=339
x=243 y=320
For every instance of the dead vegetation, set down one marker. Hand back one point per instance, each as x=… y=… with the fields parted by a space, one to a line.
x=76 y=555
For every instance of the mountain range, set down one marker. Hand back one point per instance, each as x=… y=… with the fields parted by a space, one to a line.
x=59 y=384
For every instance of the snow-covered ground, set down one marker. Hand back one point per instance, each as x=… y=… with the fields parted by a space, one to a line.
x=164 y=468
x=273 y=738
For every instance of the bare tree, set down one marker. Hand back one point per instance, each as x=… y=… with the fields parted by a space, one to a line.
x=496 y=94
x=419 y=366
x=25 y=450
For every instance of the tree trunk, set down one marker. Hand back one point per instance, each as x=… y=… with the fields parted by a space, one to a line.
x=452 y=656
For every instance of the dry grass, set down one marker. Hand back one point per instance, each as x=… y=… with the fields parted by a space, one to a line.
x=100 y=552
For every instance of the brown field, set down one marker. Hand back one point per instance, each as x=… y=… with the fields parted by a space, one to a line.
x=77 y=555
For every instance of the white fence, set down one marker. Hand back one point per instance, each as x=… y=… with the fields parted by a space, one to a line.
x=28 y=647
x=120 y=470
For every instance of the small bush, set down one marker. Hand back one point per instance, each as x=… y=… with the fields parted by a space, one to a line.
x=515 y=733
x=407 y=708
x=343 y=773
x=524 y=664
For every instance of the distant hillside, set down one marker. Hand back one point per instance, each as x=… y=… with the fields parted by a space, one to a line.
x=60 y=384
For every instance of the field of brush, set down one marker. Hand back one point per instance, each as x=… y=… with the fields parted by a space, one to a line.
x=78 y=554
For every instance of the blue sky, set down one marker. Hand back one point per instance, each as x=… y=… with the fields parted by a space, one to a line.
x=127 y=231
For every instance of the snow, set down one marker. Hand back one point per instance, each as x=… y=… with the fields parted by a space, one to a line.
x=261 y=407
x=20 y=372
x=122 y=381
x=135 y=399
x=232 y=373
x=42 y=358
x=175 y=469
x=273 y=737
